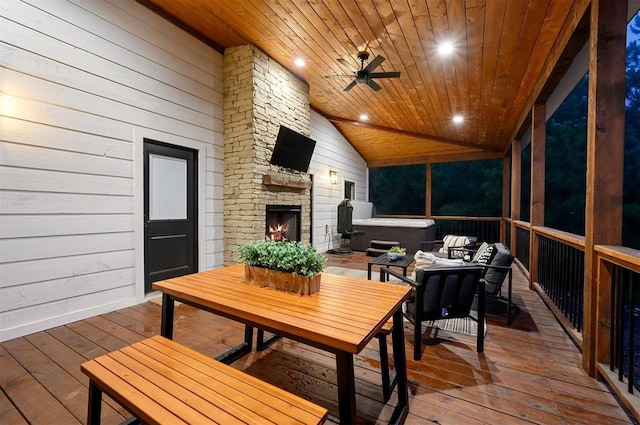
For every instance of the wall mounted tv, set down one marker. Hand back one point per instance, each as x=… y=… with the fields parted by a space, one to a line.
x=292 y=150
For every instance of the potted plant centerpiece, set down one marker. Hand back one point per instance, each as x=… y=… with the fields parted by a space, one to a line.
x=288 y=266
x=396 y=252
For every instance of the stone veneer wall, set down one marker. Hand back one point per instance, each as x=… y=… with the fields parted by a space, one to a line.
x=259 y=95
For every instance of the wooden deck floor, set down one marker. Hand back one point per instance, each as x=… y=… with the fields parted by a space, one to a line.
x=529 y=373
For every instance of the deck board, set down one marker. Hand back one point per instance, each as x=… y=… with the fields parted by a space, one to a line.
x=529 y=373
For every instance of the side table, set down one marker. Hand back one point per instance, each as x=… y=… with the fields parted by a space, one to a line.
x=384 y=261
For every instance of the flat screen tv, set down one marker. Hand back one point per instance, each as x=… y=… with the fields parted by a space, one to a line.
x=292 y=150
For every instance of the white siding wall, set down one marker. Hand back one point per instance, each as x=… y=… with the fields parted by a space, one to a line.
x=82 y=83
x=332 y=152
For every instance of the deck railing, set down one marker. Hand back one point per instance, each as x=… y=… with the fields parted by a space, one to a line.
x=625 y=314
x=559 y=279
x=486 y=229
x=522 y=243
x=507 y=233
x=561 y=272
x=620 y=268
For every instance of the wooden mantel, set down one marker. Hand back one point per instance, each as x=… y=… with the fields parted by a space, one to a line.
x=291 y=182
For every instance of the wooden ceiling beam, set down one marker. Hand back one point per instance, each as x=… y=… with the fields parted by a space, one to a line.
x=435 y=159
x=370 y=126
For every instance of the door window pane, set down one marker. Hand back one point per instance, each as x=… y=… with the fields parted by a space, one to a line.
x=167 y=188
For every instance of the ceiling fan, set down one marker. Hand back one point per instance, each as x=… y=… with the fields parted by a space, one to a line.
x=365 y=74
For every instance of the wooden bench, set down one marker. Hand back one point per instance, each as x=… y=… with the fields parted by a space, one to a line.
x=161 y=381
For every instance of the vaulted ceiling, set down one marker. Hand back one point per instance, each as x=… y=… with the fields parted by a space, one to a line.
x=508 y=55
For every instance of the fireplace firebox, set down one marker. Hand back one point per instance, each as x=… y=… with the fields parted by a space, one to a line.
x=283 y=222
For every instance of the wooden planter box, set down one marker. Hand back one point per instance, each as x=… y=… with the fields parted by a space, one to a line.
x=289 y=282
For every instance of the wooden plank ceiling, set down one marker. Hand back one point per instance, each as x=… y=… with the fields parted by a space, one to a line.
x=504 y=51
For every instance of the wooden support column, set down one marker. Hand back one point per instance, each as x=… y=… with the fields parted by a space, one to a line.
x=516 y=182
x=538 y=146
x=506 y=180
x=605 y=158
x=427 y=198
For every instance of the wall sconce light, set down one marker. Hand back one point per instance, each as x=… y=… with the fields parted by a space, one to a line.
x=333 y=177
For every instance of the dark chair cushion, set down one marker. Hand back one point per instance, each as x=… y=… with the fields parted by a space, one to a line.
x=446 y=295
x=494 y=277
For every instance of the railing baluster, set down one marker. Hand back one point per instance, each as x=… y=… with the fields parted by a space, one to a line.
x=566 y=268
x=631 y=340
x=572 y=287
x=620 y=321
x=613 y=318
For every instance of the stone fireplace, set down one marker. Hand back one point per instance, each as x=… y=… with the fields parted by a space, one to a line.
x=259 y=96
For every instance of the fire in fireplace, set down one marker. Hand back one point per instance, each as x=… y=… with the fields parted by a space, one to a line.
x=283 y=222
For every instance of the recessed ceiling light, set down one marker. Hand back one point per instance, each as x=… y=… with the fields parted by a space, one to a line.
x=299 y=62
x=458 y=119
x=445 y=48
x=364 y=117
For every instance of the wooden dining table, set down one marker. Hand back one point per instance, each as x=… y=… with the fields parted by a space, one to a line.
x=342 y=318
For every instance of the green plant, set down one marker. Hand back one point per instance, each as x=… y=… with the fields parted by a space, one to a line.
x=292 y=257
x=398 y=250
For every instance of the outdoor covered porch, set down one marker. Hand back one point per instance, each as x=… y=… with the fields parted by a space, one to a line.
x=575 y=292
x=530 y=372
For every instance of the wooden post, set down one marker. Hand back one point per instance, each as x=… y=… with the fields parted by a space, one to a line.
x=538 y=145
x=516 y=181
x=506 y=179
x=605 y=160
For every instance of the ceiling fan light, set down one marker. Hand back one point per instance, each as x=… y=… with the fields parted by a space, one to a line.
x=445 y=48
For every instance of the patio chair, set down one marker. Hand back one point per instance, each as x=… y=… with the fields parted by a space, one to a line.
x=497 y=266
x=496 y=259
x=443 y=293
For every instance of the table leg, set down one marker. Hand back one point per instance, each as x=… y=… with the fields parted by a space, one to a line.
x=239 y=350
x=166 y=325
x=95 y=404
x=369 y=271
x=400 y=362
x=346 y=388
x=261 y=343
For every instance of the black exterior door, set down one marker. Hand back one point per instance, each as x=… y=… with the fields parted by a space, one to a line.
x=170 y=212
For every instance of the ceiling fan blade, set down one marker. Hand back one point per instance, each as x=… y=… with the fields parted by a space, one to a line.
x=374 y=63
x=373 y=85
x=351 y=85
x=347 y=64
x=339 y=76
x=392 y=74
